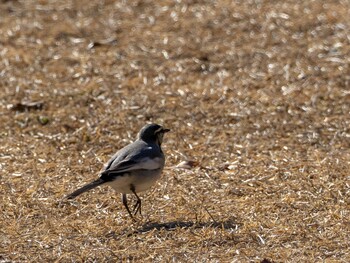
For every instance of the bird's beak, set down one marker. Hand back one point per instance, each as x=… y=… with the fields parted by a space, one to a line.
x=166 y=130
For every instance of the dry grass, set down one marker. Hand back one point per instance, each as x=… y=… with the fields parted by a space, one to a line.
x=257 y=92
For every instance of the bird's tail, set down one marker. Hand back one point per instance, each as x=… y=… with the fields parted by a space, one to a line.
x=85 y=188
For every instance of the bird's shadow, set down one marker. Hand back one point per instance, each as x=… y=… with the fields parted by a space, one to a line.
x=173 y=225
x=228 y=225
x=169 y=226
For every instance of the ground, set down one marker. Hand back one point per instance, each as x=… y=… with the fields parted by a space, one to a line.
x=257 y=97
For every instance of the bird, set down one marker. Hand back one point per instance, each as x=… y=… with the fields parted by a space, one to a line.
x=134 y=168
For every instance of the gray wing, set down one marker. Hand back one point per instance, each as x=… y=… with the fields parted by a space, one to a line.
x=136 y=156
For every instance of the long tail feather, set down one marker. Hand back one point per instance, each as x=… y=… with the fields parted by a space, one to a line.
x=85 y=188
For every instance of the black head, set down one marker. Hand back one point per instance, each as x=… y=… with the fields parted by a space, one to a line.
x=152 y=133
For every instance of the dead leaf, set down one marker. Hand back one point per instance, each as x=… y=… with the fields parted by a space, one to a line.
x=189 y=164
x=108 y=41
x=26 y=106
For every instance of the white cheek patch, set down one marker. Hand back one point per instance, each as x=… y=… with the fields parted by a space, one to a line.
x=158 y=130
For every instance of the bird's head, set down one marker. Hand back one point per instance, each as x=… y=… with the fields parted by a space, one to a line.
x=152 y=133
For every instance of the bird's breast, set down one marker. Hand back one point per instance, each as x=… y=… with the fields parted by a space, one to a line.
x=141 y=180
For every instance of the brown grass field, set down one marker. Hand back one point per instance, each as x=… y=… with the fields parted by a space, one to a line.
x=256 y=93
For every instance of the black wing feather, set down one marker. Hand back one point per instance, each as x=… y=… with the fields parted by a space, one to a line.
x=86 y=188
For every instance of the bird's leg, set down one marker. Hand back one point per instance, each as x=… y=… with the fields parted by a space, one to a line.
x=137 y=206
x=125 y=203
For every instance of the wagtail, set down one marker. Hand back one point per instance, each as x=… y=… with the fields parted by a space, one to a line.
x=134 y=168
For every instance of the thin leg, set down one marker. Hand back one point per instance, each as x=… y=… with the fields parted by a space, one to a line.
x=137 y=206
x=125 y=203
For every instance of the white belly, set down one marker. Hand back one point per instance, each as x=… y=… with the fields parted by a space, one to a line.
x=141 y=180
